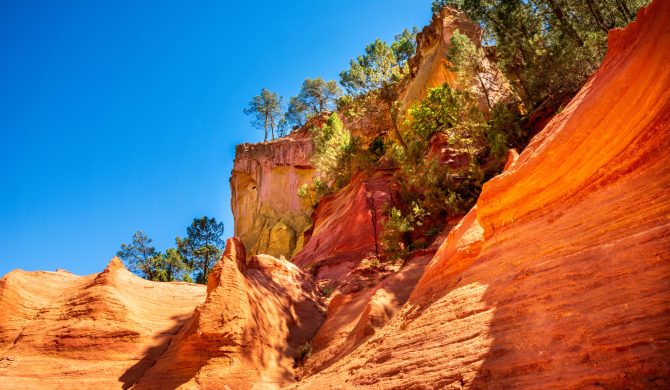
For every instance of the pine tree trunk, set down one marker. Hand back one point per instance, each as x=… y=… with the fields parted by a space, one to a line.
x=565 y=23
x=623 y=8
x=486 y=91
x=595 y=12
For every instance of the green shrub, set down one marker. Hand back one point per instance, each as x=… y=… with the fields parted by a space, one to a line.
x=304 y=351
x=326 y=291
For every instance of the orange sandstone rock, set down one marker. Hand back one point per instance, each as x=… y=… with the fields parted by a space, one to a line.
x=59 y=330
x=348 y=226
x=247 y=334
x=560 y=277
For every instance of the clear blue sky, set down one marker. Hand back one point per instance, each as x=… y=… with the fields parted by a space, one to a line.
x=124 y=115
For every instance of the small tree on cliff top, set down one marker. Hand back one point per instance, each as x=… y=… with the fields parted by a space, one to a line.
x=266 y=109
x=202 y=246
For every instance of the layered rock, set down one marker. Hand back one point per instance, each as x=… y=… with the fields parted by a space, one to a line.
x=270 y=217
x=59 y=330
x=348 y=226
x=559 y=277
x=248 y=334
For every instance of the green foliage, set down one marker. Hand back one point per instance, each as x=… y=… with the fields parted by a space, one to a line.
x=144 y=260
x=434 y=190
x=316 y=97
x=202 y=246
x=282 y=127
x=447 y=111
x=266 y=111
x=466 y=61
x=173 y=266
x=304 y=352
x=404 y=47
x=381 y=66
x=141 y=257
x=296 y=114
x=504 y=131
x=396 y=227
x=549 y=46
x=314 y=192
x=371 y=261
x=439 y=5
x=326 y=291
x=333 y=149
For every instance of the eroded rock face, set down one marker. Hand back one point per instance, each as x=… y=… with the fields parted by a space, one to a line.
x=270 y=218
x=59 y=330
x=430 y=68
x=559 y=277
x=247 y=334
x=348 y=226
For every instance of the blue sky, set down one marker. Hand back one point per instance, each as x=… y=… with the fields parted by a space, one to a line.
x=124 y=115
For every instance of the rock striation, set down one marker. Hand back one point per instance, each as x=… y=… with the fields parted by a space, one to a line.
x=348 y=226
x=114 y=330
x=559 y=277
x=257 y=315
x=59 y=330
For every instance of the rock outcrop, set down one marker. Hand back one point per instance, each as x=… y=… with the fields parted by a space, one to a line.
x=269 y=216
x=559 y=277
x=59 y=330
x=116 y=330
x=348 y=226
x=430 y=68
x=248 y=334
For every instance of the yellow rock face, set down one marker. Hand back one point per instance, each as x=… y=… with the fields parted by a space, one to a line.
x=270 y=217
x=430 y=67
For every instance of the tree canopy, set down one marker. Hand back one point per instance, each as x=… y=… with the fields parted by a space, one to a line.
x=266 y=111
x=140 y=256
x=316 y=96
x=202 y=246
x=381 y=65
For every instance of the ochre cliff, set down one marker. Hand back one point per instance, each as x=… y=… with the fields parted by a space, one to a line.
x=247 y=334
x=58 y=330
x=115 y=330
x=348 y=226
x=559 y=277
x=270 y=218
x=430 y=68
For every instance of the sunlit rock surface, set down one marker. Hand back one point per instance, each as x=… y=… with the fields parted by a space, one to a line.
x=270 y=217
x=560 y=277
x=247 y=334
x=430 y=68
x=59 y=330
